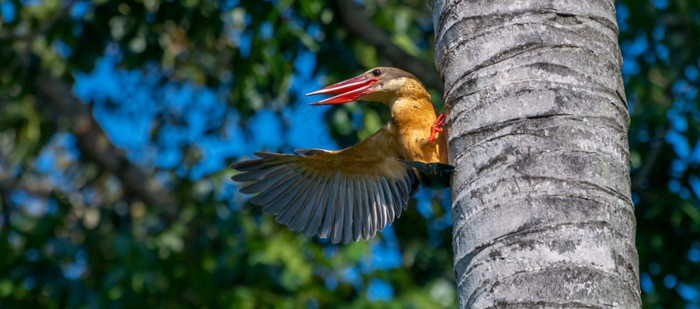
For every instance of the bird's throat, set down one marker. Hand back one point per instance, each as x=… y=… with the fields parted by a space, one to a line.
x=411 y=122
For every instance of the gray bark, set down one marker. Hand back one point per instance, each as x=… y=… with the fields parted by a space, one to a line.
x=537 y=128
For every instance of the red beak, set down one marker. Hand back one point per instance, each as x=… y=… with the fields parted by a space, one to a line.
x=349 y=90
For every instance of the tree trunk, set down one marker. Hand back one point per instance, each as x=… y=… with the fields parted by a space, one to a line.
x=537 y=123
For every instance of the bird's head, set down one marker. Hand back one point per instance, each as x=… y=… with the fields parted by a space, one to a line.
x=381 y=84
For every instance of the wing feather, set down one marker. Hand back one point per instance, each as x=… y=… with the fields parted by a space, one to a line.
x=403 y=191
x=257 y=164
x=342 y=195
x=388 y=197
x=399 y=200
x=381 y=204
x=330 y=208
x=271 y=193
x=339 y=209
x=367 y=219
x=295 y=203
x=268 y=181
x=349 y=216
x=302 y=217
x=256 y=174
x=268 y=196
x=318 y=202
x=361 y=197
x=389 y=209
x=287 y=197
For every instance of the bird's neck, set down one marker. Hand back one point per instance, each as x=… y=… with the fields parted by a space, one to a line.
x=412 y=115
x=412 y=108
x=412 y=90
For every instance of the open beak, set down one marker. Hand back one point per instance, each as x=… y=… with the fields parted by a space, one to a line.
x=347 y=90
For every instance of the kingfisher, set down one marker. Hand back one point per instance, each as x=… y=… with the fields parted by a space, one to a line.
x=355 y=192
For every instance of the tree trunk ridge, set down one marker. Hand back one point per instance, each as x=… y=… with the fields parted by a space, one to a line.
x=537 y=128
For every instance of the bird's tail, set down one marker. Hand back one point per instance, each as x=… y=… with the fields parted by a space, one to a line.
x=433 y=175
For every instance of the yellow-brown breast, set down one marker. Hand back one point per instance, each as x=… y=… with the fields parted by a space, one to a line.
x=412 y=116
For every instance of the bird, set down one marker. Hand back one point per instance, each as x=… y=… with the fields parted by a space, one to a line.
x=353 y=193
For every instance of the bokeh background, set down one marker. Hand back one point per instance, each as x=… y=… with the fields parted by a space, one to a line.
x=118 y=120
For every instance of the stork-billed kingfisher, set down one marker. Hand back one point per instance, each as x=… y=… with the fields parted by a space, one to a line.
x=353 y=193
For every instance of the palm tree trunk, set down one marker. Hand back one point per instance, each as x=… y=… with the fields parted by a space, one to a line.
x=537 y=127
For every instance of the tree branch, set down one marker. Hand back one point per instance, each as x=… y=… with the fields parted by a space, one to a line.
x=58 y=102
x=354 y=19
x=9 y=184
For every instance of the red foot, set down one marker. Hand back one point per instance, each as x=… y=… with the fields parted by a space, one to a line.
x=436 y=127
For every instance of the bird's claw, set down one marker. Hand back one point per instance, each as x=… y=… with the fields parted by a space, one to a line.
x=436 y=127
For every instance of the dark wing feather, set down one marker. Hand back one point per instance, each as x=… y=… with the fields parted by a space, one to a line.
x=295 y=202
x=363 y=209
x=330 y=194
x=433 y=175
x=301 y=218
x=330 y=208
x=339 y=211
x=318 y=202
x=357 y=212
x=348 y=218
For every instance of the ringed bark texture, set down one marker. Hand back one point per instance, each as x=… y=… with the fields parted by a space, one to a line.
x=537 y=130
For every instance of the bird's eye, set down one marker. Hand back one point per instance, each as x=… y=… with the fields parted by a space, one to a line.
x=376 y=72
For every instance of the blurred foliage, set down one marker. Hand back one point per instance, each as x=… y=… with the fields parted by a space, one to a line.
x=73 y=235
x=660 y=45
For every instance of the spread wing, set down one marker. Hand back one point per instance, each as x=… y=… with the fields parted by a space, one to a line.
x=345 y=195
